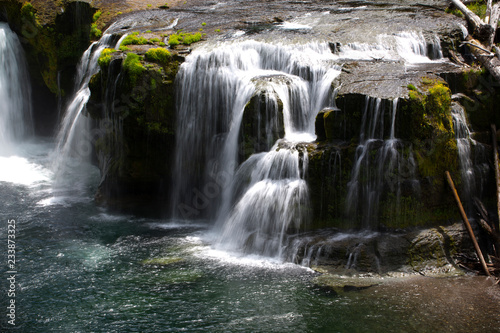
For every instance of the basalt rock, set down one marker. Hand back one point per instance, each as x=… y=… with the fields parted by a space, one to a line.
x=132 y=103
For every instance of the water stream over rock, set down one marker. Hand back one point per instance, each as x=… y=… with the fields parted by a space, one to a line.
x=15 y=93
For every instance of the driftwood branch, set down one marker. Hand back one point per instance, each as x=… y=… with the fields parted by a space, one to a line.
x=492 y=64
x=467 y=224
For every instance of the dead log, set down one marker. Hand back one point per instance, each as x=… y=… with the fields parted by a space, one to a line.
x=494 y=235
x=467 y=224
x=484 y=32
x=489 y=4
x=493 y=22
x=492 y=64
x=471 y=17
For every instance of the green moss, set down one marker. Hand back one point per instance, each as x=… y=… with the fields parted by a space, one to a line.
x=430 y=128
x=96 y=16
x=184 y=38
x=411 y=87
x=28 y=12
x=158 y=55
x=135 y=39
x=105 y=57
x=439 y=100
x=155 y=40
x=95 y=32
x=133 y=67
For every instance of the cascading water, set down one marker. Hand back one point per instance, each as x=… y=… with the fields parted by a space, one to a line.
x=74 y=137
x=378 y=163
x=256 y=203
x=15 y=92
x=473 y=172
x=409 y=46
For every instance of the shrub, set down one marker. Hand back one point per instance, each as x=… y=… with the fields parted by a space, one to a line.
x=184 y=38
x=95 y=33
x=132 y=65
x=96 y=16
x=158 y=55
x=105 y=57
x=134 y=39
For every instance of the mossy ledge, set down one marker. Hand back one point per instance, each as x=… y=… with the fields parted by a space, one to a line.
x=136 y=127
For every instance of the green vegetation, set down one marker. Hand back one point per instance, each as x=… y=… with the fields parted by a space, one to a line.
x=95 y=32
x=432 y=129
x=134 y=39
x=411 y=87
x=132 y=65
x=184 y=38
x=158 y=55
x=96 y=16
x=105 y=57
x=478 y=8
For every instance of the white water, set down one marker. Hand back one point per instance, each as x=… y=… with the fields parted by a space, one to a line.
x=379 y=166
x=15 y=93
x=474 y=171
x=409 y=46
x=74 y=146
x=256 y=203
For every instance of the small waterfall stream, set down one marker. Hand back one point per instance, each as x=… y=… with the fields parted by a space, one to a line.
x=377 y=159
x=15 y=92
x=74 y=147
x=471 y=154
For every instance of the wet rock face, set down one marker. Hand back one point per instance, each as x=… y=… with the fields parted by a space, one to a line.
x=386 y=172
x=428 y=252
x=135 y=119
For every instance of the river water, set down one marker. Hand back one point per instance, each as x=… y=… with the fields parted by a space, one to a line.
x=81 y=269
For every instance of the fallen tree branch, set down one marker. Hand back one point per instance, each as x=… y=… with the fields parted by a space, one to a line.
x=492 y=64
x=479 y=47
x=467 y=224
x=483 y=33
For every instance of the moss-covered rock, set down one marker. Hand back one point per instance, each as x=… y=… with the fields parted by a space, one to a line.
x=406 y=172
x=132 y=100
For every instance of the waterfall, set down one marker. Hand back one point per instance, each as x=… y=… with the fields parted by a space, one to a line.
x=15 y=92
x=378 y=165
x=256 y=202
x=409 y=46
x=74 y=146
x=473 y=164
